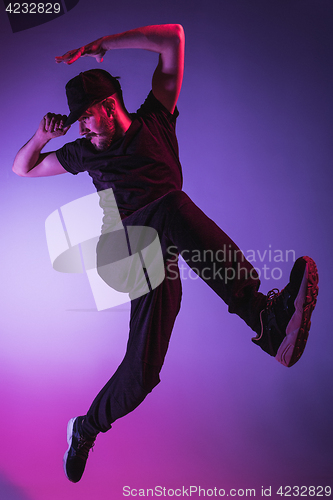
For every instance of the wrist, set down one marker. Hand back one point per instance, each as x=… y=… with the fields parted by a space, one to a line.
x=40 y=139
x=106 y=42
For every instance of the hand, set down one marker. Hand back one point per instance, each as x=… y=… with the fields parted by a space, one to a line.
x=52 y=126
x=94 y=49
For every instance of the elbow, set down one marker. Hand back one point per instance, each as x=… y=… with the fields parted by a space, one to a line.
x=17 y=171
x=16 y=165
x=173 y=33
x=14 y=169
x=178 y=32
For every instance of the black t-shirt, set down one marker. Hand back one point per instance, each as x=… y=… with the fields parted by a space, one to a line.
x=140 y=167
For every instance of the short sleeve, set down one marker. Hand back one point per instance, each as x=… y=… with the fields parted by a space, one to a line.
x=70 y=157
x=154 y=106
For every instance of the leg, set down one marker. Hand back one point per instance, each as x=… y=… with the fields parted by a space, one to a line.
x=282 y=323
x=152 y=319
x=184 y=228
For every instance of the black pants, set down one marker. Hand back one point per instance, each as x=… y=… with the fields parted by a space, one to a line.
x=211 y=254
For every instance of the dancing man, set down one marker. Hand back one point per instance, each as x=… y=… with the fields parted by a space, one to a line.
x=136 y=155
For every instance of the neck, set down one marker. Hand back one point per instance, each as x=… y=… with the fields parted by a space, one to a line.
x=123 y=121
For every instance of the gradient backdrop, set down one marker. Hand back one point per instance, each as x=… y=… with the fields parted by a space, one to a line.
x=255 y=134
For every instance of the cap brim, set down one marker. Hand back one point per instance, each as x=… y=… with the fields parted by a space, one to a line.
x=75 y=115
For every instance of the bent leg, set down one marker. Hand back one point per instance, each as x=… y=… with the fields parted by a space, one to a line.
x=215 y=258
x=183 y=228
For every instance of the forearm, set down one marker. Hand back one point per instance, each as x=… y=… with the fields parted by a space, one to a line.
x=29 y=155
x=158 y=38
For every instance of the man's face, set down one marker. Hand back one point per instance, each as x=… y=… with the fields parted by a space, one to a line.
x=97 y=127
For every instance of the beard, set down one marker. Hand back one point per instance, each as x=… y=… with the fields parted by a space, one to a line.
x=106 y=136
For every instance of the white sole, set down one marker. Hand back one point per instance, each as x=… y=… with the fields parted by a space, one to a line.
x=297 y=331
x=69 y=441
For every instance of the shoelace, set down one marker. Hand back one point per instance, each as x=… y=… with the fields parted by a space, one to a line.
x=84 y=446
x=272 y=294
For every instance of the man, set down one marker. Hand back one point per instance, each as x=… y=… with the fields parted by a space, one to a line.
x=137 y=156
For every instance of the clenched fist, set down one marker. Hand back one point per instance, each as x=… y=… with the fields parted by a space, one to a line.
x=52 y=126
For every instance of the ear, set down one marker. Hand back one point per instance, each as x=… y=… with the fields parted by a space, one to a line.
x=110 y=106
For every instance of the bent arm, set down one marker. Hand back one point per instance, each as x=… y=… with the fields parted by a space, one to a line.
x=29 y=161
x=168 y=40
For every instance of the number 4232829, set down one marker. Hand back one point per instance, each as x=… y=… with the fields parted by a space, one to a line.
x=33 y=8
x=304 y=491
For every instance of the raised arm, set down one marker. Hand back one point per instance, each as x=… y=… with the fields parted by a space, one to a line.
x=29 y=161
x=167 y=40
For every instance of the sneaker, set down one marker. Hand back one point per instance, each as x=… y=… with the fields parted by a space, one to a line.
x=78 y=449
x=285 y=322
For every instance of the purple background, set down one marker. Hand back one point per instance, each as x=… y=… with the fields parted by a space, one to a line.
x=255 y=134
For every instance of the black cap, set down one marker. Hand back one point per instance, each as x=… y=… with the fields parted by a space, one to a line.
x=89 y=88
